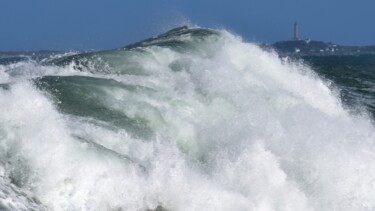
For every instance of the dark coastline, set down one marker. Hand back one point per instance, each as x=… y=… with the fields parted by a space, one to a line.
x=318 y=48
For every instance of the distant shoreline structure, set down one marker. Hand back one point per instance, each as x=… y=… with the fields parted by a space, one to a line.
x=295 y=32
x=307 y=47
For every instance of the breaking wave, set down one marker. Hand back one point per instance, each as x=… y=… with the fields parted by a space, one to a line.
x=193 y=119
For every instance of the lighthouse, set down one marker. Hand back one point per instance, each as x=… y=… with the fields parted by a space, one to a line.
x=295 y=34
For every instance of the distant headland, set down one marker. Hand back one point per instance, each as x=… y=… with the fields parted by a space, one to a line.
x=307 y=47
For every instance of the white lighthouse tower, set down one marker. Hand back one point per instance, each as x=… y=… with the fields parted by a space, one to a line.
x=295 y=34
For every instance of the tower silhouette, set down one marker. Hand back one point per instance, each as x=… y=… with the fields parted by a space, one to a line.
x=295 y=34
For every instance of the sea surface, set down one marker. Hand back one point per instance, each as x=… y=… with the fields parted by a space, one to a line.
x=192 y=119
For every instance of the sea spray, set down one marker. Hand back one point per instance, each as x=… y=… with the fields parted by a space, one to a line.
x=194 y=119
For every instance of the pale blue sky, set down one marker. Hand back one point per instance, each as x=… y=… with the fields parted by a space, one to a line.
x=104 y=24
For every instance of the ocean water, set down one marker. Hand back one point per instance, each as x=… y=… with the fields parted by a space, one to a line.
x=193 y=119
x=354 y=76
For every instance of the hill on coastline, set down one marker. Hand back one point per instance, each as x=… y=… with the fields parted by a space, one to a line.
x=318 y=48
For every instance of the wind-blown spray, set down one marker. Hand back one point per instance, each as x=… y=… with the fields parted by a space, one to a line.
x=194 y=119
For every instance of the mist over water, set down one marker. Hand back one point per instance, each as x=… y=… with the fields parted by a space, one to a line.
x=194 y=119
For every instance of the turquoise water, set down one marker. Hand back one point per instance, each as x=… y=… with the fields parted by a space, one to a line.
x=193 y=119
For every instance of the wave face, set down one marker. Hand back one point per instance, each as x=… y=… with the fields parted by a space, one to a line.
x=194 y=119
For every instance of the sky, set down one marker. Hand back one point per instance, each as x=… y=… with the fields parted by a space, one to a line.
x=105 y=24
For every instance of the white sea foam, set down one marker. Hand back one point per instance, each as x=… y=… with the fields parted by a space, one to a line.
x=236 y=128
